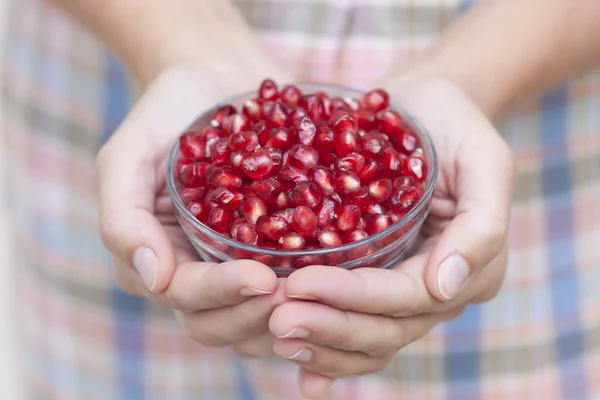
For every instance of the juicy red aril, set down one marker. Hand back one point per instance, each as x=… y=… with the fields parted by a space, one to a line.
x=286 y=214
x=305 y=261
x=306 y=194
x=355 y=236
x=405 y=198
x=236 y=158
x=234 y=227
x=408 y=142
x=380 y=190
x=326 y=212
x=223 y=112
x=191 y=145
x=395 y=215
x=219 y=152
x=294 y=116
x=268 y=90
x=376 y=100
x=254 y=208
x=258 y=164
x=371 y=170
x=271 y=227
x=365 y=119
x=224 y=177
x=306 y=130
x=243 y=141
x=360 y=250
x=359 y=198
x=188 y=195
x=191 y=175
x=348 y=182
x=328 y=238
x=235 y=123
x=277 y=157
x=375 y=208
x=277 y=116
x=348 y=217
x=352 y=162
x=281 y=138
x=324 y=179
x=292 y=175
x=342 y=121
x=353 y=103
x=347 y=142
x=404 y=182
x=304 y=220
x=325 y=140
x=362 y=223
x=290 y=95
x=267 y=189
x=327 y=109
x=246 y=233
x=337 y=103
x=262 y=132
x=313 y=105
x=373 y=146
x=219 y=219
x=291 y=241
x=390 y=122
x=198 y=210
x=415 y=168
x=252 y=109
x=392 y=162
x=378 y=223
x=282 y=201
x=224 y=198
x=303 y=156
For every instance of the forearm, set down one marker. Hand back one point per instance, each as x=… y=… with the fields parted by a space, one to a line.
x=151 y=35
x=502 y=49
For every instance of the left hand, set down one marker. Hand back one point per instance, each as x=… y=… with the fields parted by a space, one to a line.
x=356 y=321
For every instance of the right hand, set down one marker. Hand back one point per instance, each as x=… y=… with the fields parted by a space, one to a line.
x=218 y=304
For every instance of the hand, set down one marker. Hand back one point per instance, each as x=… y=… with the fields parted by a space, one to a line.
x=218 y=304
x=358 y=320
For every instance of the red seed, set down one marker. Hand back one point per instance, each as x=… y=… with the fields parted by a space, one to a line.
x=396 y=215
x=337 y=103
x=225 y=177
x=408 y=142
x=375 y=208
x=359 y=198
x=362 y=223
x=267 y=189
x=329 y=238
x=261 y=130
x=236 y=158
x=252 y=109
x=326 y=212
x=235 y=123
x=378 y=223
x=188 y=195
x=234 y=227
x=286 y=214
x=306 y=194
x=405 y=198
x=371 y=170
x=304 y=220
x=268 y=90
x=292 y=175
x=290 y=95
x=342 y=121
x=415 y=168
x=303 y=156
x=277 y=157
x=353 y=103
x=219 y=219
x=191 y=145
x=271 y=227
x=277 y=116
x=313 y=105
x=219 y=152
x=352 y=162
x=291 y=241
x=222 y=112
x=404 y=182
x=347 y=142
x=392 y=162
x=380 y=190
x=281 y=138
x=294 y=116
x=282 y=201
x=373 y=145
x=325 y=140
x=376 y=100
x=305 y=261
x=365 y=119
x=348 y=182
x=348 y=217
x=253 y=208
x=390 y=122
x=327 y=109
x=224 y=198
x=306 y=130
x=355 y=236
x=246 y=233
x=190 y=175
x=360 y=250
x=258 y=164
x=324 y=179
x=243 y=141
x=198 y=210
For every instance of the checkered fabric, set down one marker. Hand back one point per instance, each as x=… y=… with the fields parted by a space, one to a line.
x=83 y=338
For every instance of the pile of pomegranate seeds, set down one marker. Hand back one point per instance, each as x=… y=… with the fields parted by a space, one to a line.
x=294 y=170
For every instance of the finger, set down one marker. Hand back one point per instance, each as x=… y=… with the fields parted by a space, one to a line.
x=327 y=361
x=198 y=286
x=257 y=346
x=129 y=176
x=312 y=385
x=396 y=292
x=227 y=325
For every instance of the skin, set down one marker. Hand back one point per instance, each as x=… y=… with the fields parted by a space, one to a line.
x=453 y=89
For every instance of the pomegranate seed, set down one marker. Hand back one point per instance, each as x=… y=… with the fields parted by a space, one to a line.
x=277 y=157
x=378 y=223
x=375 y=208
x=313 y=105
x=290 y=95
x=306 y=194
x=326 y=212
x=362 y=223
x=365 y=119
x=392 y=162
x=348 y=217
x=353 y=103
x=342 y=121
x=286 y=214
x=191 y=175
x=281 y=138
x=243 y=141
x=337 y=103
x=380 y=190
x=268 y=90
x=219 y=219
x=346 y=143
x=191 y=145
x=282 y=201
x=404 y=182
x=271 y=227
x=304 y=220
x=261 y=130
x=352 y=162
x=348 y=182
x=305 y=261
x=258 y=164
x=302 y=156
x=235 y=123
x=329 y=238
x=267 y=189
x=291 y=241
x=359 y=198
x=222 y=112
x=360 y=250
x=327 y=109
x=188 y=195
x=246 y=233
x=234 y=227
x=277 y=116
x=405 y=198
x=372 y=145
x=325 y=140
x=355 y=236
x=219 y=152
x=415 y=168
x=396 y=215
x=198 y=210
x=376 y=100
x=306 y=130
x=294 y=116
x=390 y=122
x=253 y=208
x=224 y=177
x=236 y=158
x=292 y=175
x=418 y=152
x=325 y=179
x=224 y=198
x=371 y=170
x=408 y=142
x=252 y=109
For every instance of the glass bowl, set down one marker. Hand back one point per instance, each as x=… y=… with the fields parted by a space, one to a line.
x=382 y=250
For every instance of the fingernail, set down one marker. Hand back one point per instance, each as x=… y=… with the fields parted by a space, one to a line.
x=303 y=297
x=250 y=291
x=304 y=355
x=452 y=275
x=298 y=333
x=146 y=264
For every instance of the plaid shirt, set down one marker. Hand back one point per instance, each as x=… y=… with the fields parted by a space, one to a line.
x=83 y=338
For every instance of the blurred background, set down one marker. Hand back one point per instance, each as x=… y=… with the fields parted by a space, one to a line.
x=9 y=383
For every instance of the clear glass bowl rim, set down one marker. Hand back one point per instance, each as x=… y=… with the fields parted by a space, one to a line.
x=423 y=201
